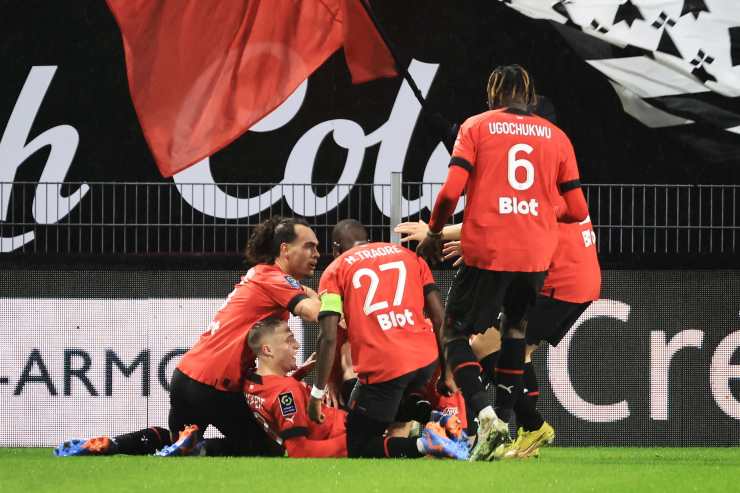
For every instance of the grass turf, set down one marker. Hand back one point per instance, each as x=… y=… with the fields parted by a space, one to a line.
x=559 y=469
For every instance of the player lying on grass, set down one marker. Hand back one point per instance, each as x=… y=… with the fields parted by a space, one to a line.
x=281 y=401
x=382 y=290
x=573 y=282
x=206 y=386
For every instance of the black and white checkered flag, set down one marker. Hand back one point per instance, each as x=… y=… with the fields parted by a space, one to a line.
x=672 y=62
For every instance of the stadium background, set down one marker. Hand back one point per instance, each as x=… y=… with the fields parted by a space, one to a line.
x=112 y=270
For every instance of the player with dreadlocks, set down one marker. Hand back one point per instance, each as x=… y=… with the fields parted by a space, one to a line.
x=515 y=166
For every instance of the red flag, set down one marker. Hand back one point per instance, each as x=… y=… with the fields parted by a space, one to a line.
x=201 y=72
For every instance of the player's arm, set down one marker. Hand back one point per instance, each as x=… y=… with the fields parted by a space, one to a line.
x=576 y=208
x=433 y=305
x=431 y=246
x=331 y=311
x=461 y=165
x=569 y=186
x=435 y=310
x=304 y=447
x=308 y=308
x=416 y=231
x=444 y=206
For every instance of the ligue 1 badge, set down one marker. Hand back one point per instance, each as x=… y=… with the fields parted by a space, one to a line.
x=293 y=283
x=287 y=403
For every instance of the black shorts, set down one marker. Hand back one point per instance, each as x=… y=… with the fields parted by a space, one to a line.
x=550 y=319
x=477 y=296
x=380 y=401
x=193 y=402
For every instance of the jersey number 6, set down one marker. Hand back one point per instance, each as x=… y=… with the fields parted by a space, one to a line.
x=515 y=163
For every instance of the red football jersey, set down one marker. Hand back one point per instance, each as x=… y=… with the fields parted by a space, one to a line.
x=516 y=163
x=574 y=274
x=382 y=286
x=221 y=355
x=281 y=403
x=449 y=405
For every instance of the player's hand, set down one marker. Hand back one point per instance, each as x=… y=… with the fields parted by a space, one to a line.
x=453 y=249
x=431 y=250
x=331 y=397
x=314 y=410
x=442 y=387
x=413 y=231
x=310 y=292
x=303 y=370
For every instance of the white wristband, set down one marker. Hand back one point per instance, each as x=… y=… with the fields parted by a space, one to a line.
x=317 y=393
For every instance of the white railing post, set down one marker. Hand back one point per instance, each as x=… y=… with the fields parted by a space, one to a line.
x=395 y=204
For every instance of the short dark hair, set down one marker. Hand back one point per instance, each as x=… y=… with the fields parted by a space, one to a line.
x=263 y=246
x=347 y=233
x=260 y=330
x=510 y=84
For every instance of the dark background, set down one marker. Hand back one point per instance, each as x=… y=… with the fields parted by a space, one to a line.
x=467 y=37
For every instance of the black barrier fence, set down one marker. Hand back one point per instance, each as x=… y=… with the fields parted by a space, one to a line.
x=656 y=361
x=156 y=219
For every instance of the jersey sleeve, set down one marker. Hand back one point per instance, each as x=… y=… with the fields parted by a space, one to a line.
x=284 y=290
x=464 y=152
x=330 y=291
x=568 y=176
x=289 y=411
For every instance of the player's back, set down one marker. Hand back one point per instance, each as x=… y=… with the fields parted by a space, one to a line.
x=518 y=160
x=574 y=274
x=220 y=354
x=382 y=286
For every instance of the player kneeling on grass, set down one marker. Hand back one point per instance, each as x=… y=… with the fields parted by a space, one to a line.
x=280 y=401
x=382 y=289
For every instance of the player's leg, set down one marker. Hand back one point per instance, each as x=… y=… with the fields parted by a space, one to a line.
x=549 y=321
x=460 y=322
x=141 y=442
x=243 y=435
x=520 y=296
x=194 y=406
x=373 y=407
x=486 y=347
x=472 y=306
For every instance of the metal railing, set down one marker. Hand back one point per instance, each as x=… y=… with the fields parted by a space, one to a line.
x=169 y=218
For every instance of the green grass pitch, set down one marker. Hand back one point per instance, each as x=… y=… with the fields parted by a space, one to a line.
x=559 y=469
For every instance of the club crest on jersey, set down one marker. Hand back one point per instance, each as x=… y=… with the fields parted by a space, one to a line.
x=293 y=283
x=287 y=404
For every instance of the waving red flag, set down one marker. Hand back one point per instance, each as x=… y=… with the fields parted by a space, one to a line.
x=201 y=72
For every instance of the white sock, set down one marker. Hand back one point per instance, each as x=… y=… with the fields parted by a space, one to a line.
x=419 y=446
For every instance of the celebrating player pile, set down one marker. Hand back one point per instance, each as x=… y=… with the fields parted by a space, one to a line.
x=522 y=179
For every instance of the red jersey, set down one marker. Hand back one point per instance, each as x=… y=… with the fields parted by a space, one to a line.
x=574 y=274
x=221 y=354
x=281 y=403
x=450 y=406
x=516 y=163
x=382 y=286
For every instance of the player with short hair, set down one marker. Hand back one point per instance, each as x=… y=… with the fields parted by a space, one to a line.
x=206 y=386
x=514 y=165
x=281 y=402
x=382 y=290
